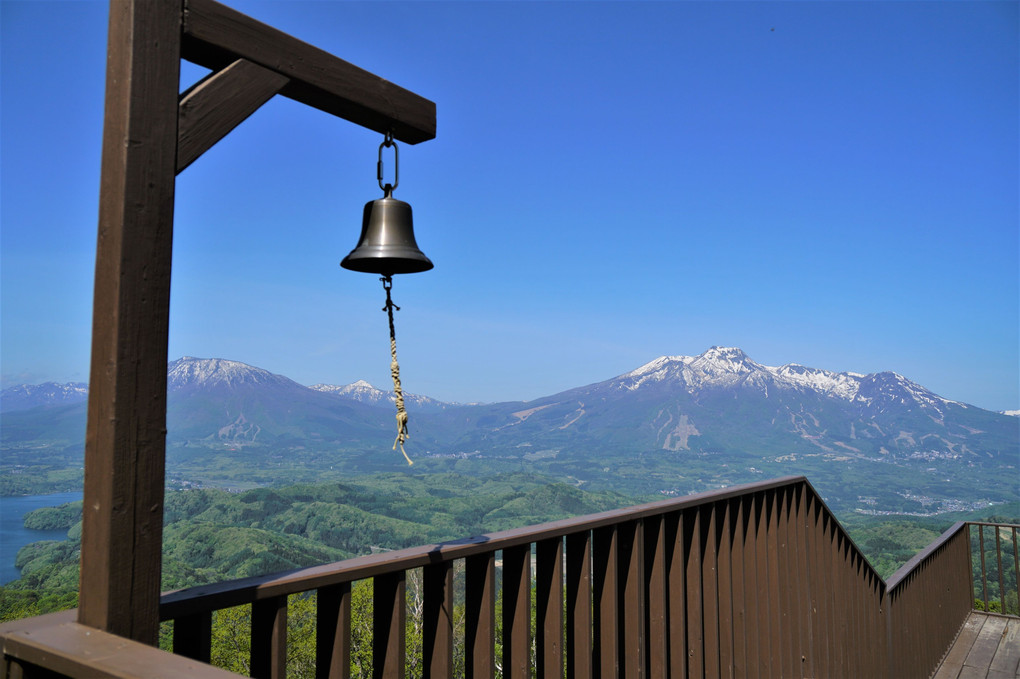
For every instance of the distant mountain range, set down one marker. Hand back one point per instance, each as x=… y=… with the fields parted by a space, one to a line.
x=720 y=409
x=47 y=394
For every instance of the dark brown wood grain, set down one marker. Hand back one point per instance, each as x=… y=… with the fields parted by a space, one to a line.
x=437 y=623
x=480 y=615
x=606 y=601
x=333 y=632
x=549 y=607
x=389 y=615
x=220 y=102
x=579 y=606
x=517 y=612
x=122 y=517
x=269 y=639
x=633 y=592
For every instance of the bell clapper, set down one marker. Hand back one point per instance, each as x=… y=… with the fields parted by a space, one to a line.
x=402 y=434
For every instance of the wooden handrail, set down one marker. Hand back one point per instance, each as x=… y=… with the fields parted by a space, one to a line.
x=236 y=592
x=62 y=646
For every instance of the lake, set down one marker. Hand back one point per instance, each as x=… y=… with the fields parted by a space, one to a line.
x=14 y=535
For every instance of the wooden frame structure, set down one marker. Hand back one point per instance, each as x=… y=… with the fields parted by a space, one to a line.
x=151 y=133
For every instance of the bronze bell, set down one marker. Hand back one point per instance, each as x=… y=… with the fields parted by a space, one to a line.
x=387 y=244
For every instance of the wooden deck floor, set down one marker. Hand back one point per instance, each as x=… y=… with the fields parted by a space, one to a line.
x=988 y=648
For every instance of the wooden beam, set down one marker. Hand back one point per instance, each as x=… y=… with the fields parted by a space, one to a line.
x=61 y=646
x=125 y=437
x=219 y=103
x=215 y=36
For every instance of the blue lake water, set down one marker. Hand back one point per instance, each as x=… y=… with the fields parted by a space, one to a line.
x=14 y=535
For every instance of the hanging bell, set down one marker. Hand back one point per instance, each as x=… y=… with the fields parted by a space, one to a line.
x=387 y=244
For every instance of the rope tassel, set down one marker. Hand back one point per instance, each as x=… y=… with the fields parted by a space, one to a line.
x=402 y=434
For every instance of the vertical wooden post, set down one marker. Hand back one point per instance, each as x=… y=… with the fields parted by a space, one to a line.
x=125 y=440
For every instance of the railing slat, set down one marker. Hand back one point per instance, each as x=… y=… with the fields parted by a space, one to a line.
x=710 y=589
x=746 y=571
x=984 y=571
x=333 y=632
x=480 y=616
x=776 y=632
x=605 y=601
x=695 y=617
x=269 y=638
x=787 y=600
x=825 y=595
x=736 y=557
x=193 y=636
x=632 y=592
x=389 y=617
x=806 y=586
x=657 y=631
x=724 y=542
x=579 y=606
x=549 y=603
x=764 y=622
x=517 y=612
x=437 y=622
x=676 y=576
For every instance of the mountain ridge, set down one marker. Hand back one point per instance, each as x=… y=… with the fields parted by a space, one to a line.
x=676 y=424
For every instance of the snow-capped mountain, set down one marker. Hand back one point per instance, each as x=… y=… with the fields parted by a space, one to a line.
x=724 y=402
x=363 y=392
x=729 y=367
x=25 y=396
x=189 y=372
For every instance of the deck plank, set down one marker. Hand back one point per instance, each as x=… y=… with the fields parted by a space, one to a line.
x=985 y=645
x=1007 y=657
x=953 y=662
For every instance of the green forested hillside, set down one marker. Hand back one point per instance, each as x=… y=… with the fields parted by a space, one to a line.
x=215 y=535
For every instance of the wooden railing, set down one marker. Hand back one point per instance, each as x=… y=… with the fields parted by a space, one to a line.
x=995 y=570
x=757 y=580
x=928 y=600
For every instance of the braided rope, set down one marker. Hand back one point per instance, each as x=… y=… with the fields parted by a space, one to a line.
x=402 y=434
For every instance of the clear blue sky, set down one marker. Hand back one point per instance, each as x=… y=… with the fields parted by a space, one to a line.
x=827 y=183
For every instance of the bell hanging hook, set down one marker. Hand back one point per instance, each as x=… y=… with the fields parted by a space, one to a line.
x=388 y=142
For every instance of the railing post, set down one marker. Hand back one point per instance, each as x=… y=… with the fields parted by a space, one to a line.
x=606 y=601
x=579 y=606
x=333 y=632
x=480 y=616
x=437 y=623
x=389 y=616
x=549 y=603
x=269 y=638
x=193 y=636
x=632 y=591
x=657 y=631
x=517 y=612
x=693 y=588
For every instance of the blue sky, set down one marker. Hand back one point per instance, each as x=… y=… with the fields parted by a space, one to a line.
x=827 y=183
